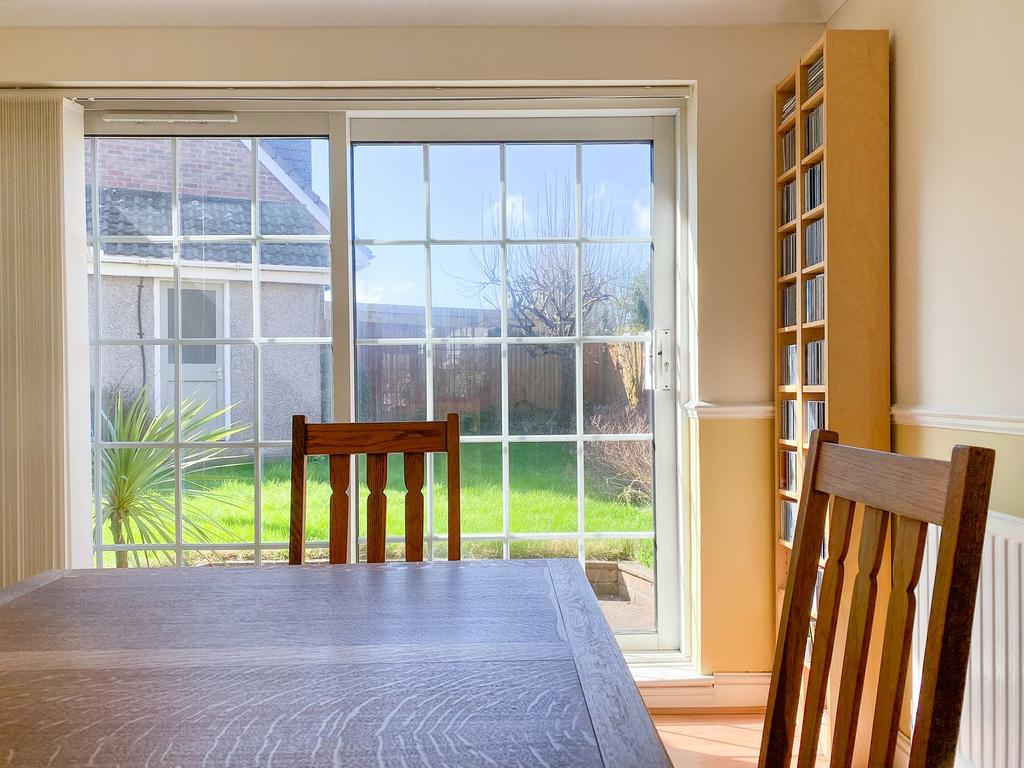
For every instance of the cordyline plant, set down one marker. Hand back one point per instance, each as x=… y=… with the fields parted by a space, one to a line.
x=139 y=483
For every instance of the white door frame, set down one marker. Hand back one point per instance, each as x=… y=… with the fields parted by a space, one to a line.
x=670 y=525
x=338 y=117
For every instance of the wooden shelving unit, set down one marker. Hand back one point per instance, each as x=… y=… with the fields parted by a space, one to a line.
x=853 y=158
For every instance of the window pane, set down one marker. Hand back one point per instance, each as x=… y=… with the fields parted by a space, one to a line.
x=465 y=290
x=542 y=488
x=293 y=187
x=481 y=500
x=387 y=192
x=224 y=269
x=275 y=499
x=617 y=190
x=391 y=293
x=296 y=378
x=540 y=182
x=391 y=383
x=616 y=289
x=137 y=497
x=542 y=290
x=216 y=391
x=615 y=397
x=275 y=496
x=218 y=502
x=134 y=187
x=471 y=549
x=535 y=549
x=215 y=186
x=89 y=156
x=137 y=393
x=542 y=389
x=145 y=558
x=619 y=485
x=133 y=306
x=465 y=191
x=467 y=381
x=621 y=573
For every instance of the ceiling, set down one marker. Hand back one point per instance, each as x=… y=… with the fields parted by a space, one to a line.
x=319 y=13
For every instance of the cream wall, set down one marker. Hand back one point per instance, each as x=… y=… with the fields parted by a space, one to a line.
x=958 y=244
x=733 y=562
x=734 y=69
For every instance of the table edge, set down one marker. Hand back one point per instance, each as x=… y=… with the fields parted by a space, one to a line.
x=604 y=677
x=26 y=586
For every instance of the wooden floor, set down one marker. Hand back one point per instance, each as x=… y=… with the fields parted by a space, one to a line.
x=712 y=741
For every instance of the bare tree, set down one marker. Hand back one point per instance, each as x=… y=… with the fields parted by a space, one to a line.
x=542 y=281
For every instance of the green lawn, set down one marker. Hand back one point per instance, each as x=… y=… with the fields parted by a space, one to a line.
x=542 y=499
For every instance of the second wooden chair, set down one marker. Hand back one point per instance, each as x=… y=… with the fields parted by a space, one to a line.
x=340 y=442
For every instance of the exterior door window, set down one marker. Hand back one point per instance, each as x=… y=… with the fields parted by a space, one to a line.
x=202 y=365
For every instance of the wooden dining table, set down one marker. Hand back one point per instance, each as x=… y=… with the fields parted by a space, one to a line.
x=485 y=663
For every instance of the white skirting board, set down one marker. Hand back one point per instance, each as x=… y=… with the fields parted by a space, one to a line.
x=991 y=731
x=739 y=691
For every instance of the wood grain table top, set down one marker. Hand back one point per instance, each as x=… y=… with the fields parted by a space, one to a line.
x=404 y=664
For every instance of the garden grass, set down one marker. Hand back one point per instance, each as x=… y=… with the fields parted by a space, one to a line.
x=542 y=500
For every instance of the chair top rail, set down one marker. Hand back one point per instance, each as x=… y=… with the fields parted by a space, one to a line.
x=378 y=437
x=903 y=485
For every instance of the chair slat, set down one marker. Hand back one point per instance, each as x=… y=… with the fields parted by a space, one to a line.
x=903 y=485
x=907 y=556
x=858 y=637
x=454 y=488
x=414 y=507
x=784 y=694
x=340 y=473
x=840 y=529
x=376 y=506
x=947 y=648
x=297 y=522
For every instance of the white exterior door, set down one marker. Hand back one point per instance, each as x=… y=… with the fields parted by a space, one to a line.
x=202 y=365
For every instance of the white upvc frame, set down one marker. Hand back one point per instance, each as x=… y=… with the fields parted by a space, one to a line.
x=666 y=123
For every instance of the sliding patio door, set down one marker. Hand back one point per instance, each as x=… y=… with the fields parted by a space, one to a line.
x=517 y=275
x=518 y=271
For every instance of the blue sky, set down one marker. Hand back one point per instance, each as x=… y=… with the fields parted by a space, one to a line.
x=389 y=200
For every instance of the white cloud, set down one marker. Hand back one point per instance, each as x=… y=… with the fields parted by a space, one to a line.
x=641 y=216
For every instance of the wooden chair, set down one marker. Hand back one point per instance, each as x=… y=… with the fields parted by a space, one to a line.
x=911 y=493
x=340 y=442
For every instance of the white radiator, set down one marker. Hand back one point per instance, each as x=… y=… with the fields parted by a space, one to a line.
x=993 y=716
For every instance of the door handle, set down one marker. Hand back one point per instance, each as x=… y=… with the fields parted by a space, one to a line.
x=661 y=359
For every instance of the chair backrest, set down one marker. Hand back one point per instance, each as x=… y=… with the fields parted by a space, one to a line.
x=910 y=493
x=340 y=442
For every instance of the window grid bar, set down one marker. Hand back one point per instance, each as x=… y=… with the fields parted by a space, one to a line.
x=506 y=473
x=429 y=348
x=466 y=439
x=97 y=420
x=511 y=241
x=206 y=342
x=484 y=340
x=496 y=536
x=176 y=257
x=578 y=308
x=257 y=374
x=214 y=239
